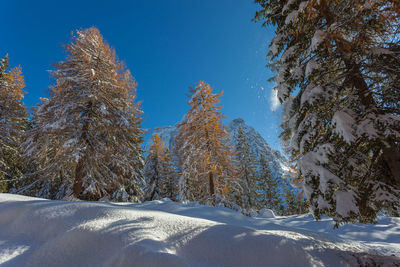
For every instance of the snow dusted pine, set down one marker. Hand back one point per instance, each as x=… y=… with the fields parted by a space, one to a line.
x=13 y=121
x=270 y=196
x=338 y=68
x=161 y=177
x=205 y=158
x=247 y=174
x=86 y=139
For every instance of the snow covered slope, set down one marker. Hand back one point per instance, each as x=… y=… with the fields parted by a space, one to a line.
x=277 y=161
x=38 y=232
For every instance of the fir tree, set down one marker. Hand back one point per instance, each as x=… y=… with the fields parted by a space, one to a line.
x=338 y=68
x=247 y=173
x=159 y=172
x=294 y=202
x=205 y=158
x=86 y=141
x=13 y=122
x=270 y=196
x=170 y=187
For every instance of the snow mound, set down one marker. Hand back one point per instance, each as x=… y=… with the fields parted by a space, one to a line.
x=37 y=232
x=266 y=213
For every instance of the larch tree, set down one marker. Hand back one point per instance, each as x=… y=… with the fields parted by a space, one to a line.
x=13 y=123
x=86 y=139
x=338 y=67
x=247 y=173
x=161 y=178
x=205 y=158
x=270 y=195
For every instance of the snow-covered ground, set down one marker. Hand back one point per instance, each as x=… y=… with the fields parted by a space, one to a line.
x=38 y=232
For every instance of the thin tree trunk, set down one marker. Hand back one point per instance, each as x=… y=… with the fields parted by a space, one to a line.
x=77 y=188
x=211 y=184
x=392 y=159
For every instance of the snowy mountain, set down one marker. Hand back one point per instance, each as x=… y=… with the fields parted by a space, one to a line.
x=38 y=232
x=278 y=163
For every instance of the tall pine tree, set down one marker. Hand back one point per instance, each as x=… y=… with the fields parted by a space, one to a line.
x=294 y=201
x=247 y=173
x=86 y=141
x=269 y=196
x=338 y=68
x=13 y=122
x=161 y=178
x=205 y=158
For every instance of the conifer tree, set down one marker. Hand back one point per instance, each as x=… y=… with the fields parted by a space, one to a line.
x=161 y=178
x=247 y=173
x=13 y=122
x=205 y=158
x=87 y=138
x=170 y=186
x=338 y=68
x=294 y=202
x=270 y=196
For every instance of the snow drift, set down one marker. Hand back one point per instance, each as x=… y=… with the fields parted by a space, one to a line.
x=38 y=232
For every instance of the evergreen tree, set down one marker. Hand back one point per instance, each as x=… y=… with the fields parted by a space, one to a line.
x=86 y=139
x=159 y=172
x=338 y=68
x=247 y=173
x=170 y=186
x=205 y=158
x=13 y=122
x=270 y=196
x=294 y=202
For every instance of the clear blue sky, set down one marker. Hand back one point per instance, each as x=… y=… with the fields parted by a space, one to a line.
x=168 y=45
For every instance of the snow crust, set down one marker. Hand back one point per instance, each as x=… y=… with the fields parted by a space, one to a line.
x=38 y=232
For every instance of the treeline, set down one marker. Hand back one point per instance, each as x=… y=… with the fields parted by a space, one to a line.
x=84 y=142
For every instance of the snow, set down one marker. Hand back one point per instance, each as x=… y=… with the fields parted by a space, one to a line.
x=291 y=17
x=311 y=66
x=380 y=51
x=38 y=232
x=274 y=100
x=274 y=45
x=317 y=39
x=266 y=213
x=344 y=123
x=287 y=6
x=311 y=93
x=345 y=203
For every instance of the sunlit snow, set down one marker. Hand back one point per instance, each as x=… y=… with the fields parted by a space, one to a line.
x=37 y=232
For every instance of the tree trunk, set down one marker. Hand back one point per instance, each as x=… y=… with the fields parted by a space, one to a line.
x=392 y=159
x=77 y=188
x=211 y=184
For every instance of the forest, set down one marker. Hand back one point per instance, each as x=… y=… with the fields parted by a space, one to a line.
x=135 y=161
x=337 y=76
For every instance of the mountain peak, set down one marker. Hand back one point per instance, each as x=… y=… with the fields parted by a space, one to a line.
x=277 y=162
x=238 y=121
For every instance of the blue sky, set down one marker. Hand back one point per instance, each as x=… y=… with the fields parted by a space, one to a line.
x=168 y=45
